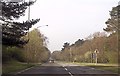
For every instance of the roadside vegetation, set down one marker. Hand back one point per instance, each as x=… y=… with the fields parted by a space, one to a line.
x=109 y=67
x=19 y=45
x=15 y=58
x=15 y=66
x=101 y=66
x=106 y=43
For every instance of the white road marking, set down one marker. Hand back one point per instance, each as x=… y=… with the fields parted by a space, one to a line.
x=92 y=68
x=70 y=73
x=66 y=69
x=24 y=70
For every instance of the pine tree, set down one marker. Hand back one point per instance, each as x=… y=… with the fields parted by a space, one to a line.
x=12 y=31
x=113 y=22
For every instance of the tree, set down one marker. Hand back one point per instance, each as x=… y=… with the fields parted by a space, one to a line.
x=56 y=55
x=112 y=23
x=66 y=45
x=35 y=50
x=88 y=56
x=12 y=31
x=79 y=42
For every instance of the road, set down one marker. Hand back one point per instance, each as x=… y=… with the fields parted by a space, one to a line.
x=62 y=69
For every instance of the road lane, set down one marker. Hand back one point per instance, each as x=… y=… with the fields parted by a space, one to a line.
x=86 y=70
x=77 y=70
x=46 y=69
x=58 y=69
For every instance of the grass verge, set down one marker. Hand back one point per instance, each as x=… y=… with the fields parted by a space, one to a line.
x=109 y=67
x=14 y=66
x=102 y=66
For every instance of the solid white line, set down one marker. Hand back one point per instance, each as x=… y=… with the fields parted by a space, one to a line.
x=24 y=70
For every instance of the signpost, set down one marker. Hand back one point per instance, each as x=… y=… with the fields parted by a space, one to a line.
x=96 y=57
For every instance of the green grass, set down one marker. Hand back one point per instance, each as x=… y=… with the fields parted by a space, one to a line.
x=112 y=69
x=109 y=67
x=14 y=66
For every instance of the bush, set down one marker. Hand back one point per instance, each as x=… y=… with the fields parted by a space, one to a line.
x=11 y=53
x=112 y=56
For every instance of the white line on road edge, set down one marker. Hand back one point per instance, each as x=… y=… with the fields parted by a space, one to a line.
x=24 y=70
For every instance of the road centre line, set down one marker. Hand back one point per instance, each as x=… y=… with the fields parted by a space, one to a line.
x=92 y=68
x=70 y=73
x=67 y=71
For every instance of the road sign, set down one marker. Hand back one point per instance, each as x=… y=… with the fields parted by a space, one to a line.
x=96 y=51
x=93 y=55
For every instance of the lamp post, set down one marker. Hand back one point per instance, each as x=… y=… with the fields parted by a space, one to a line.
x=28 y=28
x=70 y=55
x=41 y=26
x=28 y=32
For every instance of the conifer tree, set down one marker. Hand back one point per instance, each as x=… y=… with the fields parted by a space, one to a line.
x=13 y=31
x=113 y=22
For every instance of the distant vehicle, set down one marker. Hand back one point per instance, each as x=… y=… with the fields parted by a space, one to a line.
x=51 y=61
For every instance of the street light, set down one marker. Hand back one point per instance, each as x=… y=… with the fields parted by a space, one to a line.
x=28 y=28
x=70 y=51
x=41 y=26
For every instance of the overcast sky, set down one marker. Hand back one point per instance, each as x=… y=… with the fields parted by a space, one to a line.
x=70 y=20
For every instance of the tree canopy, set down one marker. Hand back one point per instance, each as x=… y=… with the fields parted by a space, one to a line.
x=12 y=31
x=112 y=22
x=35 y=50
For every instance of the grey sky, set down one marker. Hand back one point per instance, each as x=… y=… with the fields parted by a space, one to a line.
x=70 y=20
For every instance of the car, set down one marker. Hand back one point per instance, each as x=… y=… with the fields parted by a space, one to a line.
x=51 y=61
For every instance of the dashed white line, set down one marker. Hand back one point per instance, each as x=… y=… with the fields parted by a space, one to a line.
x=70 y=73
x=66 y=69
x=92 y=68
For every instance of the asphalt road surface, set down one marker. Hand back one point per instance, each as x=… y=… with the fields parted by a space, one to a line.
x=60 y=69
